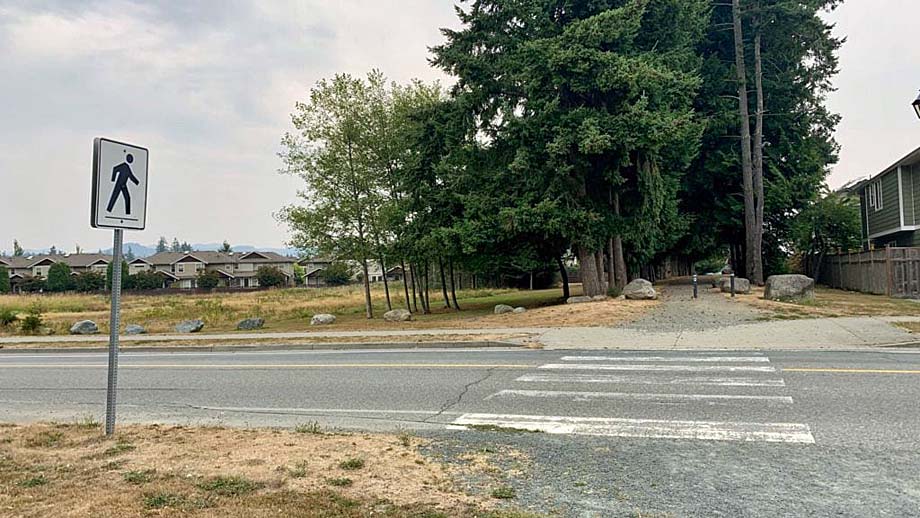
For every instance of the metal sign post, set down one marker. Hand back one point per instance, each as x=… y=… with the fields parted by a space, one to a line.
x=119 y=202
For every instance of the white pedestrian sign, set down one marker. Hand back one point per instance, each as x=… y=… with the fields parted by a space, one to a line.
x=119 y=185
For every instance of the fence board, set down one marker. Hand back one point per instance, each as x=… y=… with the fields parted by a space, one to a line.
x=892 y=271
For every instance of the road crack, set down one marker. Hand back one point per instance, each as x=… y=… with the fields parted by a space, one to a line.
x=456 y=401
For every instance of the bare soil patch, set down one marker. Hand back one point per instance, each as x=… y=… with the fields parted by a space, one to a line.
x=833 y=303
x=72 y=471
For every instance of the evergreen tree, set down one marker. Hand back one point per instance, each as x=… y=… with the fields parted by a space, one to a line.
x=176 y=247
x=4 y=279
x=17 y=250
x=225 y=247
x=129 y=255
x=162 y=245
x=59 y=278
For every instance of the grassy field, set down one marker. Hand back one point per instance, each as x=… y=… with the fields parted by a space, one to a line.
x=835 y=303
x=291 y=310
x=73 y=471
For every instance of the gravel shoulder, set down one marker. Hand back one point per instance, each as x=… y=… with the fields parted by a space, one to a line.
x=679 y=311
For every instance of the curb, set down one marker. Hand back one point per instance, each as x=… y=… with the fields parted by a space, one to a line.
x=328 y=346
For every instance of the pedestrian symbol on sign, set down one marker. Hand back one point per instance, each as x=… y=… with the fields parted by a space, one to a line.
x=121 y=174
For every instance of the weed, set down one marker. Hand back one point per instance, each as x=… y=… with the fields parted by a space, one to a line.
x=39 y=480
x=504 y=492
x=139 y=476
x=405 y=438
x=230 y=486
x=311 y=427
x=87 y=421
x=119 y=448
x=162 y=499
x=44 y=439
x=32 y=322
x=340 y=482
x=299 y=470
x=352 y=464
x=7 y=317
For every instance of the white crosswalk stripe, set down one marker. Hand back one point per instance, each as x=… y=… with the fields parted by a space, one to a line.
x=685 y=369
x=647 y=428
x=656 y=368
x=588 y=396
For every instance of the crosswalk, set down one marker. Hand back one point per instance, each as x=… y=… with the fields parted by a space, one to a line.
x=695 y=396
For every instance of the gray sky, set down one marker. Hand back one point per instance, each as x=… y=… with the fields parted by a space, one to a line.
x=208 y=88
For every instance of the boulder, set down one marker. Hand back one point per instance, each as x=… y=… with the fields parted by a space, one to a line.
x=190 y=326
x=742 y=285
x=578 y=300
x=134 y=329
x=322 y=319
x=599 y=298
x=84 y=327
x=640 y=289
x=501 y=309
x=789 y=287
x=520 y=309
x=398 y=315
x=250 y=324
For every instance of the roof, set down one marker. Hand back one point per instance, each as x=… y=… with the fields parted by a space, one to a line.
x=911 y=158
x=72 y=260
x=212 y=257
x=317 y=259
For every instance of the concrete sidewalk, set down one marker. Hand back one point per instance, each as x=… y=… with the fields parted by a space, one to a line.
x=823 y=333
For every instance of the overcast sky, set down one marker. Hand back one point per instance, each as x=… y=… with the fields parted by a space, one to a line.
x=208 y=88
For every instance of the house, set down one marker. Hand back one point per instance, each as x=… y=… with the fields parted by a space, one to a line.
x=890 y=204
x=181 y=269
x=313 y=270
x=314 y=266
x=22 y=268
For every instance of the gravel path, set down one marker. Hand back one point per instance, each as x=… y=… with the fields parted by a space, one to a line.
x=680 y=312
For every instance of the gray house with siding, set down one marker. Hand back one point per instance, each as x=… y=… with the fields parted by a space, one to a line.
x=890 y=204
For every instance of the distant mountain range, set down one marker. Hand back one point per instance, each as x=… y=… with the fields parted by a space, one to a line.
x=140 y=250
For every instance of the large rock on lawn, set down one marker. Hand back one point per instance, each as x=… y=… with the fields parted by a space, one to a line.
x=251 y=324
x=501 y=309
x=520 y=309
x=84 y=327
x=640 y=289
x=579 y=300
x=190 y=326
x=134 y=329
x=398 y=315
x=322 y=319
x=742 y=285
x=789 y=287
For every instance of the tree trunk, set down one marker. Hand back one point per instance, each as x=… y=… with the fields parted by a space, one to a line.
x=453 y=288
x=757 y=169
x=747 y=174
x=565 y=278
x=386 y=285
x=601 y=277
x=619 y=261
x=405 y=281
x=589 y=276
x=368 y=307
x=426 y=293
x=412 y=280
x=443 y=283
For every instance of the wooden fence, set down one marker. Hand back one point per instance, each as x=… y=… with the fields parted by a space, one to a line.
x=892 y=271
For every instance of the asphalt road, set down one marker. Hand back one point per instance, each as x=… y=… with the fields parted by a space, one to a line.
x=627 y=433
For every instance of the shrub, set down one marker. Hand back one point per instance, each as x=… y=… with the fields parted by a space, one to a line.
x=124 y=275
x=270 y=276
x=337 y=274
x=146 y=281
x=32 y=285
x=32 y=321
x=4 y=279
x=208 y=279
x=7 y=317
x=87 y=282
x=352 y=464
x=59 y=278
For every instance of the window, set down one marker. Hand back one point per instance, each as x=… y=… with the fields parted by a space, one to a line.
x=181 y=268
x=876 y=199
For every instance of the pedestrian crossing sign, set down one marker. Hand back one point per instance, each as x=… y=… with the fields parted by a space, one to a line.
x=119 y=185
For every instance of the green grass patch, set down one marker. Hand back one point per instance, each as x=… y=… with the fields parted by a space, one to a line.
x=340 y=481
x=299 y=470
x=44 y=439
x=139 y=476
x=503 y=492
x=311 y=427
x=36 y=481
x=119 y=448
x=230 y=486
x=352 y=464
x=163 y=500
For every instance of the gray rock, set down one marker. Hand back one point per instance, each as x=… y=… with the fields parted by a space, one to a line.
x=84 y=327
x=640 y=289
x=742 y=285
x=501 y=309
x=190 y=326
x=398 y=315
x=134 y=329
x=250 y=324
x=599 y=298
x=789 y=287
x=578 y=300
x=322 y=319
x=520 y=309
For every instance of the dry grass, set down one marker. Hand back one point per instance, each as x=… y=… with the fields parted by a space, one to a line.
x=834 y=303
x=291 y=310
x=198 y=472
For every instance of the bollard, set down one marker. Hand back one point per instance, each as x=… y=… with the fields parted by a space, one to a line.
x=733 y=284
x=695 y=287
